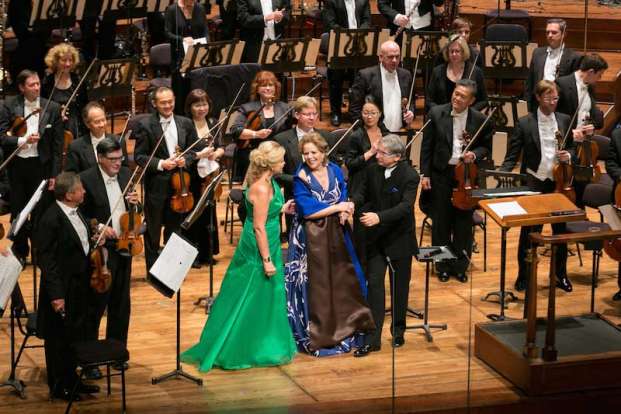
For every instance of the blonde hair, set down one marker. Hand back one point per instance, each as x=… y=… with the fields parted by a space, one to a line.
x=54 y=54
x=304 y=102
x=465 y=50
x=262 y=159
x=318 y=141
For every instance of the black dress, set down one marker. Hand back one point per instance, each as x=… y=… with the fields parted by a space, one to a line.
x=74 y=124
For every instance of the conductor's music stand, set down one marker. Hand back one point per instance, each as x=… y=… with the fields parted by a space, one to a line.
x=428 y=255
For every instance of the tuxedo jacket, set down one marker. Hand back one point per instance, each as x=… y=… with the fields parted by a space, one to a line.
x=81 y=155
x=570 y=60
x=96 y=204
x=4 y=180
x=252 y=25
x=157 y=183
x=613 y=163
x=369 y=82
x=437 y=90
x=65 y=273
x=334 y=14
x=525 y=140
x=174 y=22
x=437 y=146
x=568 y=100
x=390 y=8
x=50 y=131
x=393 y=201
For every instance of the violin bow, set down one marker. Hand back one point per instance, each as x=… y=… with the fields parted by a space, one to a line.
x=476 y=135
x=409 y=102
x=342 y=137
x=291 y=108
x=571 y=123
x=417 y=134
x=228 y=112
x=77 y=88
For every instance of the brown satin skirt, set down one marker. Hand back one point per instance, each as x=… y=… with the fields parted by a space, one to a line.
x=336 y=306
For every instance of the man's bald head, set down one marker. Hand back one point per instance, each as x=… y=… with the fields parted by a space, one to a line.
x=389 y=55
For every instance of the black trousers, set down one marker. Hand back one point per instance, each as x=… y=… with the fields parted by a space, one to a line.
x=59 y=358
x=399 y=284
x=116 y=299
x=158 y=214
x=336 y=78
x=451 y=227
x=524 y=244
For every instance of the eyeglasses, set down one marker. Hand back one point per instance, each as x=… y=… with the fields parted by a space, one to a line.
x=308 y=114
x=115 y=159
x=551 y=100
x=385 y=154
x=370 y=113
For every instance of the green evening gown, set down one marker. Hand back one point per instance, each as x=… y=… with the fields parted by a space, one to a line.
x=248 y=325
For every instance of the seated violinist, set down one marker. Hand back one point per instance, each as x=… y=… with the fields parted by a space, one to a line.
x=254 y=121
x=442 y=152
x=103 y=198
x=535 y=138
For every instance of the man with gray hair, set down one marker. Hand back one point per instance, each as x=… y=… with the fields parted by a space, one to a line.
x=386 y=197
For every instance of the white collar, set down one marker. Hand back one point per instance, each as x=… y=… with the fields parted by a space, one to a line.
x=301 y=132
x=70 y=211
x=579 y=82
x=386 y=73
x=556 y=50
x=164 y=120
x=32 y=104
x=462 y=114
x=543 y=117
x=96 y=139
x=106 y=177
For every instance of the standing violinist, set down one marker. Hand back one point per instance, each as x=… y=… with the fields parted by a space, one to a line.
x=534 y=139
x=82 y=153
x=441 y=152
x=178 y=132
x=254 y=121
x=40 y=147
x=104 y=185
x=409 y=14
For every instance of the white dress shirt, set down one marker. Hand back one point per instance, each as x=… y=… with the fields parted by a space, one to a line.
x=553 y=59
x=584 y=100
x=300 y=134
x=30 y=150
x=459 y=126
x=269 y=32
x=114 y=192
x=388 y=171
x=416 y=20
x=350 y=6
x=169 y=127
x=391 y=97
x=95 y=141
x=78 y=225
x=547 y=142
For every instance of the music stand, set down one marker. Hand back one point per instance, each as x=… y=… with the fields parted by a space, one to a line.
x=207 y=200
x=48 y=14
x=428 y=255
x=355 y=48
x=225 y=52
x=506 y=116
x=505 y=60
x=426 y=43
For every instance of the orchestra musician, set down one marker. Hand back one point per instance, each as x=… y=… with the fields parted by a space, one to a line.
x=346 y=14
x=463 y=27
x=82 y=153
x=63 y=246
x=386 y=199
x=613 y=168
x=254 y=121
x=534 y=139
x=551 y=61
x=442 y=146
x=178 y=132
x=228 y=14
x=260 y=20
x=410 y=14
x=40 y=155
x=103 y=185
x=388 y=84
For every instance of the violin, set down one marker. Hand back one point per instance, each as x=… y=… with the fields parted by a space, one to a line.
x=129 y=242
x=19 y=127
x=466 y=176
x=588 y=153
x=182 y=200
x=101 y=278
x=254 y=122
x=613 y=247
x=563 y=173
x=67 y=140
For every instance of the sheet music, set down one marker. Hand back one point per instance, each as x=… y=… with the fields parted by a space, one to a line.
x=507 y=208
x=10 y=268
x=174 y=262
x=25 y=213
x=206 y=166
x=199 y=41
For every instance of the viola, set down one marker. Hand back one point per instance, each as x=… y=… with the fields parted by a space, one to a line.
x=129 y=242
x=101 y=278
x=563 y=173
x=466 y=177
x=613 y=247
x=588 y=153
x=182 y=200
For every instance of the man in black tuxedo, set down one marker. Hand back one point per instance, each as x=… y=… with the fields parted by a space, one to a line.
x=82 y=153
x=386 y=199
x=256 y=24
x=63 y=242
x=178 y=132
x=40 y=155
x=411 y=14
x=550 y=62
x=442 y=149
x=4 y=182
x=228 y=14
x=388 y=84
x=104 y=184
x=534 y=139
x=346 y=14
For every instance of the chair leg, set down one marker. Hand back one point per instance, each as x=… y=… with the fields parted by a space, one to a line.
x=73 y=391
x=226 y=214
x=232 y=212
x=108 y=377
x=579 y=255
x=21 y=350
x=123 y=386
x=485 y=244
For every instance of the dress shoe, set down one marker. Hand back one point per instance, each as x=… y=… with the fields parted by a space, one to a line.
x=617 y=296
x=398 y=341
x=335 y=119
x=84 y=388
x=564 y=283
x=117 y=366
x=196 y=264
x=93 y=374
x=365 y=350
x=443 y=276
x=520 y=284
x=462 y=277
x=64 y=394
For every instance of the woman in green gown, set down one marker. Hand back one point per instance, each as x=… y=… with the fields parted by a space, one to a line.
x=248 y=325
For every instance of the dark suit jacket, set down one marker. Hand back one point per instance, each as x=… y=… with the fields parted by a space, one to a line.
x=81 y=155
x=525 y=140
x=369 y=82
x=393 y=201
x=65 y=273
x=390 y=8
x=96 y=204
x=570 y=61
x=157 y=183
x=280 y=108
x=334 y=14
x=358 y=144
x=568 y=100
x=437 y=146
x=174 y=22
x=252 y=25
x=613 y=163
x=51 y=143
x=4 y=180
x=437 y=91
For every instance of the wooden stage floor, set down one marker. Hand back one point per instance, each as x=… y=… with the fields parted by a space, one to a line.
x=430 y=377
